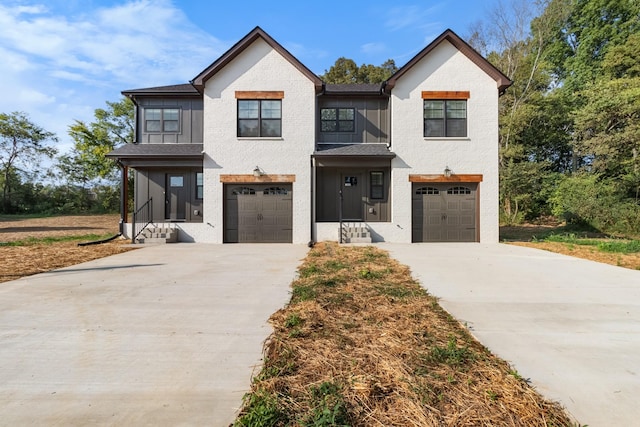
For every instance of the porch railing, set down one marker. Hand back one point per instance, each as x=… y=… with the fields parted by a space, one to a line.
x=340 y=217
x=141 y=218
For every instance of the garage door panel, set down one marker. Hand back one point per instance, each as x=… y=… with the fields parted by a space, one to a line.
x=444 y=212
x=258 y=213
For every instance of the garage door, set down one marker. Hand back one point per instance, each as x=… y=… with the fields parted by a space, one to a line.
x=444 y=212
x=258 y=213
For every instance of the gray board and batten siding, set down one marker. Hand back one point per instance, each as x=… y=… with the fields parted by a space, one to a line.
x=191 y=121
x=174 y=193
x=371 y=124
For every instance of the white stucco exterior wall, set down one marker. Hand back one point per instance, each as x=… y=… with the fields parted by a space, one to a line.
x=444 y=69
x=258 y=68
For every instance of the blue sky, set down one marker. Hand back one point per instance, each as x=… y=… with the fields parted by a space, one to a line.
x=62 y=59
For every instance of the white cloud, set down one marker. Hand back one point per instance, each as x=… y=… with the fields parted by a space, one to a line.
x=373 y=48
x=61 y=67
x=411 y=17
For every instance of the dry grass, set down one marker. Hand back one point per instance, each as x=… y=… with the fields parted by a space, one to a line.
x=362 y=344
x=631 y=261
x=36 y=255
x=532 y=235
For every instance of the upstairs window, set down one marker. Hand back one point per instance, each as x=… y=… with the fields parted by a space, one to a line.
x=162 y=120
x=445 y=114
x=337 y=119
x=259 y=118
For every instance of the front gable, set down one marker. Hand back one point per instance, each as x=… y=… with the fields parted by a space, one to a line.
x=452 y=39
x=257 y=34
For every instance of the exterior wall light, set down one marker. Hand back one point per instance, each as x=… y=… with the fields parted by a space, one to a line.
x=257 y=172
x=447 y=172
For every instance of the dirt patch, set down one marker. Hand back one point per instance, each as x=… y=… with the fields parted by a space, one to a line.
x=38 y=257
x=12 y=230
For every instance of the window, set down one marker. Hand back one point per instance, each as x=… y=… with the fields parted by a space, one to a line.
x=459 y=190
x=259 y=118
x=243 y=190
x=377 y=185
x=427 y=190
x=337 y=119
x=199 y=185
x=445 y=117
x=275 y=191
x=162 y=119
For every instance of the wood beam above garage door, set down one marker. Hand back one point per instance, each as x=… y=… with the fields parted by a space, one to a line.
x=231 y=179
x=443 y=178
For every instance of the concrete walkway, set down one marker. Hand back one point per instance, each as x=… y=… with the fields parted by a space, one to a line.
x=166 y=335
x=572 y=326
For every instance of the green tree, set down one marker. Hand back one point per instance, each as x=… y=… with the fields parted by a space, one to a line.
x=592 y=28
x=346 y=71
x=112 y=127
x=22 y=145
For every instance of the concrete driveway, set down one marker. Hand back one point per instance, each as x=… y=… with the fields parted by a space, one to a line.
x=165 y=335
x=572 y=326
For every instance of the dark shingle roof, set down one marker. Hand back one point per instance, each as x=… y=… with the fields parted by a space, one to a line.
x=353 y=150
x=181 y=89
x=353 y=89
x=157 y=150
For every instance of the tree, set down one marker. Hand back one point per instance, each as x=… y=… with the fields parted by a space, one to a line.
x=22 y=145
x=345 y=71
x=112 y=127
x=592 y=29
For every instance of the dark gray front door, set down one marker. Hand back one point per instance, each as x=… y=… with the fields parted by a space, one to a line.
x=175 y=197
x=258 y=213
x=444 y=212
x=352 y=203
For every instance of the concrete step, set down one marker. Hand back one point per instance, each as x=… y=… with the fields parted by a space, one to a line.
x=355 y=233
x=156 y=235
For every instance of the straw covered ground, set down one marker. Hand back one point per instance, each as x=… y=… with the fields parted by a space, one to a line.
x=362 y=344
x=35 y=245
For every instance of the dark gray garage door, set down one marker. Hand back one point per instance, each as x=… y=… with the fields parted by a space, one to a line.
x=258 y=213
x=444 y=212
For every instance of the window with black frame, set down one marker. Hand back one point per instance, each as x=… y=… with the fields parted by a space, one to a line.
x=337 y=119
x=445 y=118
x=260 y=118
x=377 y=185
x=162 y=120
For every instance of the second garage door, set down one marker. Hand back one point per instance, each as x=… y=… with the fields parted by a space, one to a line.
x=444 y=212
x=258 y=213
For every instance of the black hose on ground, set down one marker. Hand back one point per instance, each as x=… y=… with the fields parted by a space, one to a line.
x=97 y=242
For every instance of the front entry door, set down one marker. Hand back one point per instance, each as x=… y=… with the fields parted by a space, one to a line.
x=175 y=197
x=352 y=204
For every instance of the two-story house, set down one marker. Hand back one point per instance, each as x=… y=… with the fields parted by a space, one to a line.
x=257 y=148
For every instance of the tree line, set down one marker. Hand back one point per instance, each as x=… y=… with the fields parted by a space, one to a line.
x=80 y=181
x=569 y=125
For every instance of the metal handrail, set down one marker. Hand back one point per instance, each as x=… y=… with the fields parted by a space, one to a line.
x=340 y=216
x=144 y=215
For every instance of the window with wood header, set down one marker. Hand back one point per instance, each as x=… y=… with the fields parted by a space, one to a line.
x=445 y=113
x=260 y=118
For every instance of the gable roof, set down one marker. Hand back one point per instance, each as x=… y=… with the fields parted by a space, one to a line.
x=257 y=33
x=502 y=81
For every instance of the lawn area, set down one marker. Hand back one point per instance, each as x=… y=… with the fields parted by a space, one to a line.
x=31 y=245
x=362 y=344
x=621 y=252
